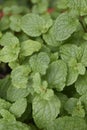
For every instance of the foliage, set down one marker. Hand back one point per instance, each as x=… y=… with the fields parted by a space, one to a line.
x=44 y=43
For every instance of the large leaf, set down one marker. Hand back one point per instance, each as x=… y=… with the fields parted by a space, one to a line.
x=33 y=25
x=56 y=75
x=64 y=26
x=45 y=111
x=68 y=123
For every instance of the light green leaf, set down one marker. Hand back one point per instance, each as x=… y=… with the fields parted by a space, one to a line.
x=32 y=24
x=7 y=115
x=74 y=70
x=79 y=5
x=68 y=123
x=9 y=39
x=4 y=104
x=19 y=107
x=56 y=75
x=14 y=94
x=64 y=26
x=83 y=99
x=40 y=7
x=29 y=47
x=45 y=111
x=63 y=99
x=4 y=23
x=62 y=4
x=69 y=51
x=39 y=63
x=19 y=76
x=9 y=53
x=15 y=23
x=11 y=47
x=37 y=83
x=50 y=38
x=4 y=125
x=84 y=56
x=81 y=84
x=74 y=107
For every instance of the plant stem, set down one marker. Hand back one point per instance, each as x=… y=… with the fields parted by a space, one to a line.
x=82 y=23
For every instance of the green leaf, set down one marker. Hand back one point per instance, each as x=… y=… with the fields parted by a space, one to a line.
x=14 y=94
x=84 y=56
x=11 y=48
x=63 y=99
x=32 y=24
x=29 y=47
x=19 y=76
x=39 y=63
x=74 y=70
x=4 y=23
x=83 y=99
x=4 y=85
x=4 y=104
x=81 y=84
x=74 y=107
x=4 y=125
x=50 y=38
x=62 y=4
x=40 y=7
x=45 y=111
x=15 y=23
x=56 y=75
x=69 y=51
x=19 y=107
x=64 y=26
x=7 y=115
x=68 y=123
x=9 y=39
x=9 y=53
x=80 y=6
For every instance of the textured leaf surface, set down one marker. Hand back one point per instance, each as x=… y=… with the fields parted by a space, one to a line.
x=69 y=123
x=56 y=75
x=29 y=47
x=74 y=107
x=4 y=125
x=15 y=23
x=19 y=76
x=14 y=93
x=64 y=26
x=45 y=111
x=8 y=39
x=81 y=84
x=50 y=38
x=32 y=25
x=69 y=51
x=39 y=63
x=18 y=108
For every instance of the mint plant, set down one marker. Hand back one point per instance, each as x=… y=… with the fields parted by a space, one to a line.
x=45 y=47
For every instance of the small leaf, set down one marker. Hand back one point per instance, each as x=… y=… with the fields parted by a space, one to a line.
x=81 y=84
x=29 y=47
x=39 y=63
x=19 y=76
x=19 y=107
